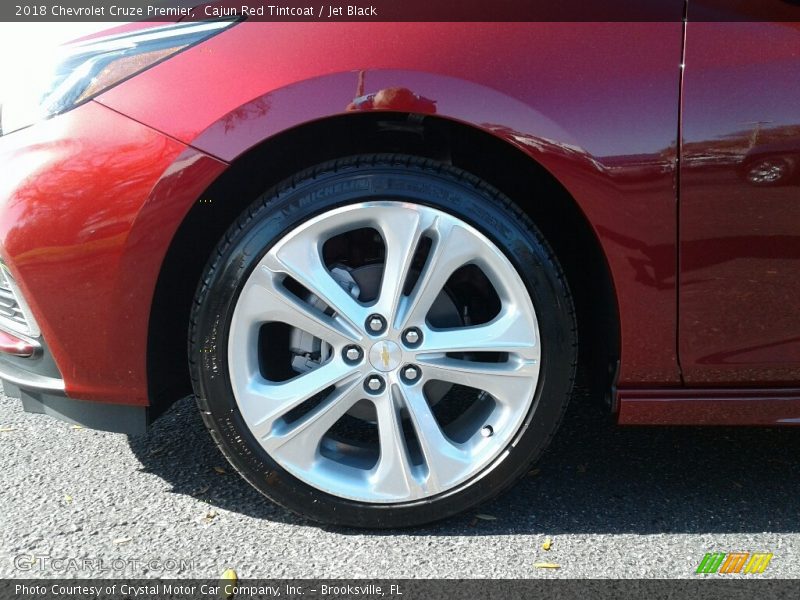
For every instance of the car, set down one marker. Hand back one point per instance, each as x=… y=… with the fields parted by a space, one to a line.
x=770 y=164
x=377 y=253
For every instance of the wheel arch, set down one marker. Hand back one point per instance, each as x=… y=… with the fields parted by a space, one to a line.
x=490 y=152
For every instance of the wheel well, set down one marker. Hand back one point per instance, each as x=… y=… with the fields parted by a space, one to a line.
x=537 y=192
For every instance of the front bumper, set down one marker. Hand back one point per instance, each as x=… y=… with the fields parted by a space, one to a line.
x=89 y=203
x=28 y=371
x=39 y=386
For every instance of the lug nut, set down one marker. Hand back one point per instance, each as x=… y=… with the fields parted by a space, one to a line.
x=352 y=354
x=411 y=373
x=412 y=337
x=374 y=384
x=376 y=323
x=487 y=431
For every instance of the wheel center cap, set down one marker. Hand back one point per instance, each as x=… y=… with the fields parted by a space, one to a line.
x=385 y=356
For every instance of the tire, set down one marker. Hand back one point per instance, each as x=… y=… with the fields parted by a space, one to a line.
x=351 y=419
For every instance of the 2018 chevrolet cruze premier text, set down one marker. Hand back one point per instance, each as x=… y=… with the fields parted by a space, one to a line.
x=389 y=244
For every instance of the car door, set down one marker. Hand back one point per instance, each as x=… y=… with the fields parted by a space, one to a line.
x=739 y=289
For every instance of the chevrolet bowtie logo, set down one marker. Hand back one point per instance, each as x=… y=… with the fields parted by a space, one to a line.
x=385 y=356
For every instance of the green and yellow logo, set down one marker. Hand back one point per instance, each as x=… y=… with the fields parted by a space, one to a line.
x=734 y=562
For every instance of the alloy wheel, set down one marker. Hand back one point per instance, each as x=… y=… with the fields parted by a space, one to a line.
x=364 y=378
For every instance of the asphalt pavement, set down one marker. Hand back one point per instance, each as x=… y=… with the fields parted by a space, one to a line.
x=612 y=502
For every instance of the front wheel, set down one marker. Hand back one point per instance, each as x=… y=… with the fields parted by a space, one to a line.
x=382 y=341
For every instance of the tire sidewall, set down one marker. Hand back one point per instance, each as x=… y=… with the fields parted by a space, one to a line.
x=277 y=213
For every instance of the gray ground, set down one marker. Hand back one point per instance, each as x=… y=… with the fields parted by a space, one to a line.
x=616 y=502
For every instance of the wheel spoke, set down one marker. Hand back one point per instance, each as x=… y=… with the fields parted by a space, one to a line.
x=300 y=441
x=508 y=382
x=393 y=475
x=453 y=247
x=268 y=301
x=265 y=402
x=511 y=331
x=442 y=458
x=401 y=229
x=300 y=259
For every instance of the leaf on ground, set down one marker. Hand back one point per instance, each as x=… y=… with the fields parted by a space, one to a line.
x=534 y=472
x=484 y=517
x=7 y=429
x=548 y=543
x=157 y=451
x=77 y=427
x=220 y=471
x=120 y=541
x=228 y=581
x=546 y=566
x=582 y=468
x=201 y=491
x=209 y=516
x=67 y=498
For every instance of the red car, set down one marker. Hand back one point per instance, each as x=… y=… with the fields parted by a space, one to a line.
x=389 y=244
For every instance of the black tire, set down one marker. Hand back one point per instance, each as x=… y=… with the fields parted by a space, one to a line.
x=321 y=188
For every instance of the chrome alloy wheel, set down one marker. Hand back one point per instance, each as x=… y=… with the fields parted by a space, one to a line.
x=381 y=362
